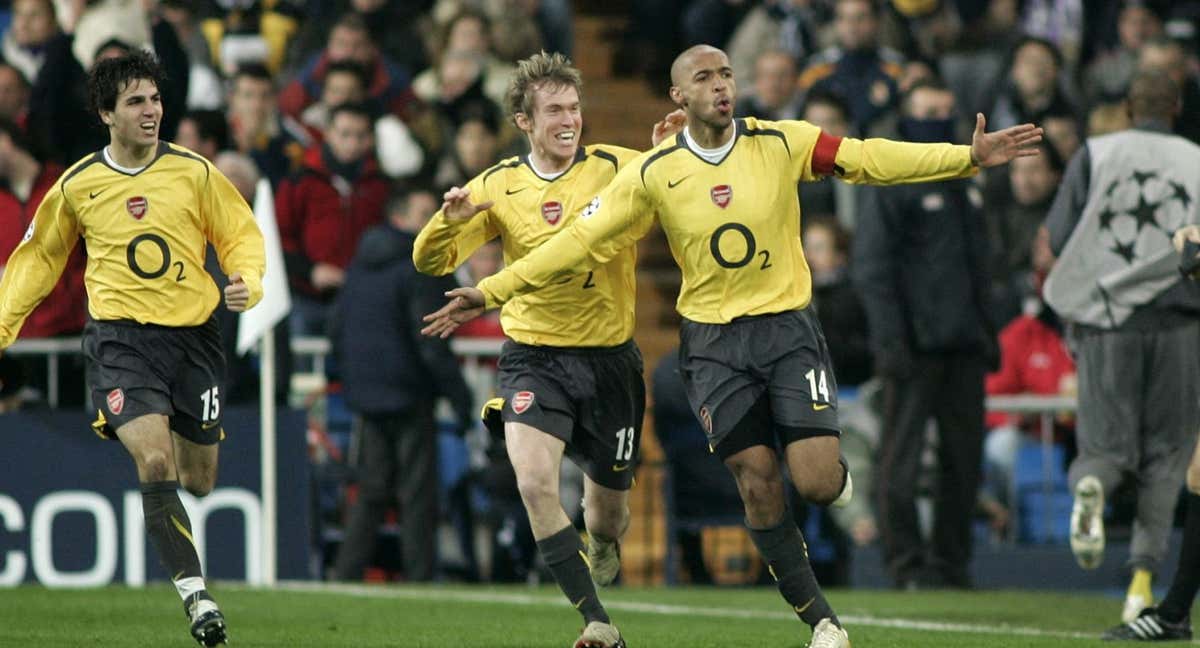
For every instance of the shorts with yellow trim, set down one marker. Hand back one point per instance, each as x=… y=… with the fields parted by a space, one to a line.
x=138 y=369
x=593 y=399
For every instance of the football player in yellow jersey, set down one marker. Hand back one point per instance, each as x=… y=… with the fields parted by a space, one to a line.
x=570 y=378
x=752 y=354
x=146 y=209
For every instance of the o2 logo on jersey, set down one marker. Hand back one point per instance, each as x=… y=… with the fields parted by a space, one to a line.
x=721 y=195
x=552 y=212
x=137 y=206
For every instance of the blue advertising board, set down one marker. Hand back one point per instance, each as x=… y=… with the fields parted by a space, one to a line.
x=71 y=511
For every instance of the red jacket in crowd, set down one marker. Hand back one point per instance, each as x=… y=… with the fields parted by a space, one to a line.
x=65 y=308
x=1033 y=360
x=322 y=217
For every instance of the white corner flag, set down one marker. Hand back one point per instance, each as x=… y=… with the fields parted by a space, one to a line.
x=277 y=300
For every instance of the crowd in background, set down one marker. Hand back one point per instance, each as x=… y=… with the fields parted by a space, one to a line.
x=361 y=112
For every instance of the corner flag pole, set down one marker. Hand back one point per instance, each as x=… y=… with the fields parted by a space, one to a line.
x=267 y=399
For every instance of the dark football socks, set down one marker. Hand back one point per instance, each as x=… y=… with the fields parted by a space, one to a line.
x=564 y=555
x=783 y=548
x=1178 y=603
x=169 y=529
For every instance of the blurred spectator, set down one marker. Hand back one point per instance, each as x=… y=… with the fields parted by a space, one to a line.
x=827 y=197
x=398 y=153
x=827 y=250
x=460 y=98
x=1034 y=359
x=206 y=132
x=1108 y=118
x=242 y=372
x=518 y=28
x=1032 y=89
x=475 y=149
x=391 y=378
x=395 y=27
x=1060 y=22
x=858 y=69
x=323 y=211
x=1063 y=133
x=1013 y=225
x=1108 y=75
x=204 y=85
x=24 y=44
x=239 y=33
x=25 y=182
x=713 y=21
x=274 y=141
x=1170 y=58
x=350 y=40
x=783 y=25
x=920 y=264
x=63 y=127
x=1135 y=323
x=14 y=95
x=466 y=37
x=775 y=96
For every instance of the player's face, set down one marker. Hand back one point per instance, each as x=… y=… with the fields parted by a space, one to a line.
x=707 y=91
x=134 y=121
x=556 y=123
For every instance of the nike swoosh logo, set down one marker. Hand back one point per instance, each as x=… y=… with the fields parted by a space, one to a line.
x=209 y=426
x=579 y=603
x=93 y=194
x=617 y=468
x=671 y=185
x=800 y=610
x=509 y=192
x=818 y=408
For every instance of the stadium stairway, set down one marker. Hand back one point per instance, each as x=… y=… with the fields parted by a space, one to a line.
x=623 y=111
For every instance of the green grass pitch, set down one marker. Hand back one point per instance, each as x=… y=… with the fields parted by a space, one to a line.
x=304 y=614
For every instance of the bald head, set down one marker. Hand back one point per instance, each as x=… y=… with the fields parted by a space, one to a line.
x=682 y=67
x=1153 y=94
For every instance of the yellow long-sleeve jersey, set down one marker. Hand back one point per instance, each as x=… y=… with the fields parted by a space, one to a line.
x=592 y=305
x=733 y=226
x=145 y=235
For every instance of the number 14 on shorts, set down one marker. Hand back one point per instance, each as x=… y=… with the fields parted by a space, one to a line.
x=818 y=385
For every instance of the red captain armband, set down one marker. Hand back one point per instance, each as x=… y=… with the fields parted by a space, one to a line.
x=824 y=154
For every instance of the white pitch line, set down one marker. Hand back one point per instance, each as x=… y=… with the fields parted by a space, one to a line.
x=507 y=598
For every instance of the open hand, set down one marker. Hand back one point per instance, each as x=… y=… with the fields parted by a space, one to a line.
x=237 y=293
x=457 y=205
x=671 y=124
x=1002 y=146
x=465 y=305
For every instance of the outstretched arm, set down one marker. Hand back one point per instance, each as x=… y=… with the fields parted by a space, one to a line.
x=613 y=221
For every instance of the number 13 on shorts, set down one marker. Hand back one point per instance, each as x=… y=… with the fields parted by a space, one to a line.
x=817 y=385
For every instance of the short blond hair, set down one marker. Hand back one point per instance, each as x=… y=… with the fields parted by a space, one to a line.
x=541 y=70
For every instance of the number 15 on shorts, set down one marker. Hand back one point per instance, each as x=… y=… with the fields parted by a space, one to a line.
x=818 y=385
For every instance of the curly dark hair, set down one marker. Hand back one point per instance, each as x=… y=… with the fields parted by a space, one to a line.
x=110 y=76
